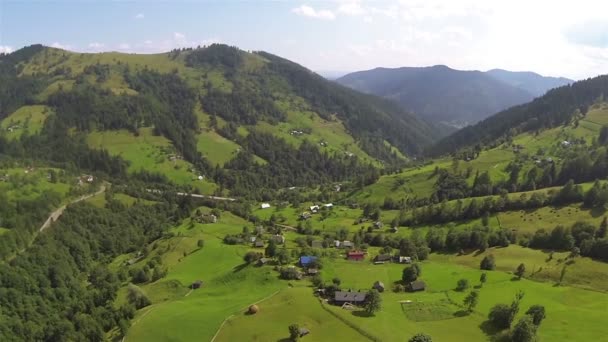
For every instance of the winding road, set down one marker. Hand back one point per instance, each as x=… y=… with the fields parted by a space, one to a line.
x=59 y=211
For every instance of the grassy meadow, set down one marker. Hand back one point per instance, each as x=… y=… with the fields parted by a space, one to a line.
x=149 y=152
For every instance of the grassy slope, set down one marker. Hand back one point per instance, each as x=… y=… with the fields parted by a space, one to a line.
x=292 y=305
x=420 y=182
x=148 y=152
x=571 y=312
x=25 y=120
x=228 y=287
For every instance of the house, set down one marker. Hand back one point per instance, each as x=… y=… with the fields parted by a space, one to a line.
x=341 y=297
x=336 y=243
x=312 y=271
x=328 y=205
x=280 y=239
x=265 y=205
x=306 y=260
x=378 y=225
x=196 y=285
x=314 y=209
x=355 y=255
x=565 y=143
x=405 y=260
x=378 y=285
x=305 y=216
x=317 y=244
x=383 y=257
x=346 y=244
x=258 y=243
x=417 y=285
x=263 y=261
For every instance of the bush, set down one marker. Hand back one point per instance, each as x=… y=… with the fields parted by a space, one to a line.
x=420 y=337
x=488 y=263
x=500 y=316
x=462 y=285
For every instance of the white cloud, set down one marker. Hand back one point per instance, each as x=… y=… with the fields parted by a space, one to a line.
x=308 y=11
x=95 y=46
x=58 y=45
x=179 y=37
x=6 y=49
x=124 y=46
x=139 y=16
x=352 y=8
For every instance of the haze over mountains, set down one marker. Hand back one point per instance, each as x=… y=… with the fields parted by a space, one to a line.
x=453 y=97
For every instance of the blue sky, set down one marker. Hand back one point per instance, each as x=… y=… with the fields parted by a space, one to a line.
x=559 y=38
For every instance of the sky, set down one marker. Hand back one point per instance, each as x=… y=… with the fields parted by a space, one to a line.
x=551 y=37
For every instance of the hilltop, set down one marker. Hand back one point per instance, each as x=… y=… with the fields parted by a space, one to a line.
x=454 y=97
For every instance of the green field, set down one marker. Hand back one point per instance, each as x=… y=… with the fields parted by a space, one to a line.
x=291 y=305
x=228 y=286
x=26 y=120
x=148 y=152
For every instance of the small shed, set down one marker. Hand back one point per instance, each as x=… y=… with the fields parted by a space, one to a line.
x=417 y=285
x=378 y=285
x=317 y=244
x=312 y=271
x=347 y=244
x=383 y=257
x=378 y=225
x=258 y=243
x=196 y=285
x=265 y=205
x=304 y=332
x=355 y=255
x=405 y=260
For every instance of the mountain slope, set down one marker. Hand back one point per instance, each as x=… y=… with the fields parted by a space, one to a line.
x=442 y=94
x=531 y=82
x=557 y=107
x=248 y=122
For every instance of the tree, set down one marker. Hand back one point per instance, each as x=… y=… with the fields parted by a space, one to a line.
x=601 y=233
x=562 y=275
x=420 y=337
x=483 y=278
x=336 y=281
x=200 y=243
x=271 y=249
x=524 y=330
x=471 y=300
x=500 y=315
x=294 y=332
x=488 y=263
x=137 y=297
x=251 y=257
x=317 y=281
x=521 y=269
x=538 y=314
x=373 y=301
x=462 y=285
x=410 y=273
x=515 y=306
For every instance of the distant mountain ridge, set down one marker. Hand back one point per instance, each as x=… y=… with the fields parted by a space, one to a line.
x=455 y=97
x=531 y=82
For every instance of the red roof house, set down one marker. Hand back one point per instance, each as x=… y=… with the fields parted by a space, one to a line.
x=355 y=255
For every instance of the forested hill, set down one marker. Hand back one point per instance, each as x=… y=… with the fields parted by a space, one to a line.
x=442 y=94
x=531 y=82
x=558 y=107
x=246 y=121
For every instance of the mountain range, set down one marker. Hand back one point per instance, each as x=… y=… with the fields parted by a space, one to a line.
x=453 y=97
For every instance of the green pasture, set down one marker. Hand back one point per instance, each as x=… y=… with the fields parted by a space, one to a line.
x=150 y=153
x=25 y=120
